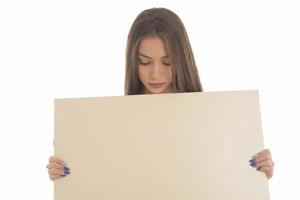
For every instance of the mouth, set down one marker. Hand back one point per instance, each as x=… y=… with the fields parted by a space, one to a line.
x=156 y=85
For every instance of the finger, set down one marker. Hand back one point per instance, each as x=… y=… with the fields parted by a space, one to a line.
x=263 y=157
x=54 y=177
x=267 y=170
x=56 y=171
x=57 y=160
x=55 y=166
x=265 y=163
x=265 y=151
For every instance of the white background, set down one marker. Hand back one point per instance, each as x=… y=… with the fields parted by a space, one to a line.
x=60 y=49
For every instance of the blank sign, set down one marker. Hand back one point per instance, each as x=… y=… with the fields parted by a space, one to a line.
x=176 y=146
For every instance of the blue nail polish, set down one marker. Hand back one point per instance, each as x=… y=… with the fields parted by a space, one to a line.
x=253 y=162
x=66 y=168
x=67 y=172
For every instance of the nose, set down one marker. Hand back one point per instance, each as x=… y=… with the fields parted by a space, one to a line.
x=155 y=71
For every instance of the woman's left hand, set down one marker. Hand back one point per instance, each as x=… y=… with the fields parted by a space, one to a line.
x=263 y=162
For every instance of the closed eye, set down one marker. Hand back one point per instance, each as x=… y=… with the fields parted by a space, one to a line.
x=144 y=63
x=166 y=63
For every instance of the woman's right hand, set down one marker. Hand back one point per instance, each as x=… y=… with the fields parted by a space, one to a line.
x=57 y=168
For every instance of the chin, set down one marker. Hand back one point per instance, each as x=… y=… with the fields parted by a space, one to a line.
x=156 y=91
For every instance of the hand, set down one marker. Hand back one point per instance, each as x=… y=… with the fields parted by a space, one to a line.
x=57 y=168
x=263 y=162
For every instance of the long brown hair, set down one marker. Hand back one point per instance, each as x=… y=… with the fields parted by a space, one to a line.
x=167 y=25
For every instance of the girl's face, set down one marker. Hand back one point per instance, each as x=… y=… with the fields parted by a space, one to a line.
x=154 y=67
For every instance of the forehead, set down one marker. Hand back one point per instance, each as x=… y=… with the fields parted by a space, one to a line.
x=153 y=46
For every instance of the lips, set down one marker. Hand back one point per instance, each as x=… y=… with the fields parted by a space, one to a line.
x=156 y=85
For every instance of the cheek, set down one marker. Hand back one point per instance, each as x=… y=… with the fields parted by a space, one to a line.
x=142 y=73
x=170 y=74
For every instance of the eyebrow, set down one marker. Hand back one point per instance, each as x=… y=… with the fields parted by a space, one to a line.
x=150 y=57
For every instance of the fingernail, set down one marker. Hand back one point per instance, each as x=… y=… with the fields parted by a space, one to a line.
x=67 y=172
x=253 y=161
x=63 y=175
x=258 y=168
x=66 y=168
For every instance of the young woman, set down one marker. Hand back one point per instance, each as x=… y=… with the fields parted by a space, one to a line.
x=159 y=59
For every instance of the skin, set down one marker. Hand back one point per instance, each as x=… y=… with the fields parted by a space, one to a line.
x=155 y=67
x=264 y=163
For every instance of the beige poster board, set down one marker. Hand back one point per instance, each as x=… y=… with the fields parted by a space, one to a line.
x=183 y=146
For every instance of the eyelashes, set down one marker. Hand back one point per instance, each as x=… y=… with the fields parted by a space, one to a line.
x=147 y=63
x=144 y=63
